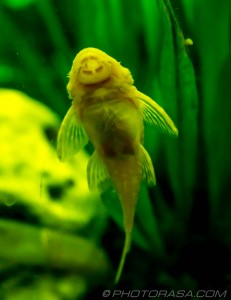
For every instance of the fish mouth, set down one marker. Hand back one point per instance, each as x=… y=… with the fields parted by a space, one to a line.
x=92 y=71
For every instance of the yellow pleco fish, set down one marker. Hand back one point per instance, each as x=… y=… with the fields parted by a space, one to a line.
x=109 y=111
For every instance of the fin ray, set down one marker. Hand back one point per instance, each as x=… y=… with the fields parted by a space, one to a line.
x=148 y=173
x=155 y=115
x=71 y=137
x=97 y=175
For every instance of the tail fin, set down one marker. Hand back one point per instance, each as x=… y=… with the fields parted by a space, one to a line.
x=126 y=249
x=126 y=175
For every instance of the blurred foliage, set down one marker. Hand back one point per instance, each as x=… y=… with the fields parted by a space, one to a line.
x=183 y=224
x=32 y=246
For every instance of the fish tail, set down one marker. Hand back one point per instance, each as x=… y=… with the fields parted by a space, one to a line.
x=126 y=249
x=126 y=176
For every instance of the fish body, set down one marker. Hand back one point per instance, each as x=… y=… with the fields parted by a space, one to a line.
x=109 y=111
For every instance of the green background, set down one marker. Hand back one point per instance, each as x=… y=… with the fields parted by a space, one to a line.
x=183 y=225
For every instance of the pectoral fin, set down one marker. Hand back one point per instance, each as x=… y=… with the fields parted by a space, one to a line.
x=97 y=175
x=148 y=173
x=155 y=115
x=71 y=137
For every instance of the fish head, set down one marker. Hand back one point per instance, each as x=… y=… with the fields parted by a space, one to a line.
x=92 y=66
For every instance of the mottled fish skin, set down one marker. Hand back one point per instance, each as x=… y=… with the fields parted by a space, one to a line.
x=109 y=111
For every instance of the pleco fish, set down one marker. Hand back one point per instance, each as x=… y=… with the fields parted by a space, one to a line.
x=109 y=111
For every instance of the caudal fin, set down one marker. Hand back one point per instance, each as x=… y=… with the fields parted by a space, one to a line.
x=126 y=248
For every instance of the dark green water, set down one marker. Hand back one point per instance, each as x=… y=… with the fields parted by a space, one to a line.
x=181 y=239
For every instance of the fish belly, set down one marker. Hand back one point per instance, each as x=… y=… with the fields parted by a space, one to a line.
x=113 y=126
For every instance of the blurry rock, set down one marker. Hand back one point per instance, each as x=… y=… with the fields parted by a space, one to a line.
x=50 y=224
x=34 y=185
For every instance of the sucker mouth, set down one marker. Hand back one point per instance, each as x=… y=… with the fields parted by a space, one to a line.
x=93 y=72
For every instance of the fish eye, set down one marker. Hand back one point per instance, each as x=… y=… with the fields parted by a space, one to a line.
x=99 y=69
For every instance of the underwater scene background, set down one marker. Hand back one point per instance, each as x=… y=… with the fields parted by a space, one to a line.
x=58 y=240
